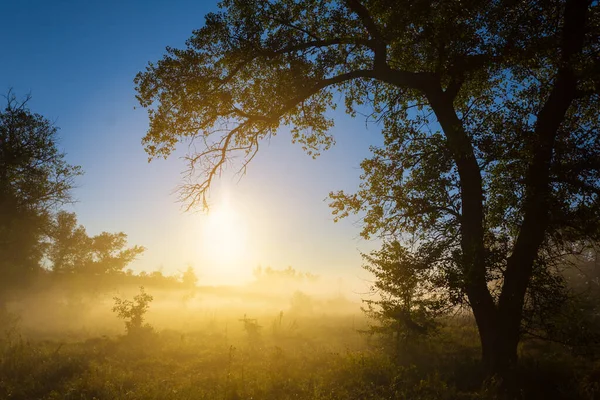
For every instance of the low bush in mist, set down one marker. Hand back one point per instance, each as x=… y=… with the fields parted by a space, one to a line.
x=133 y=312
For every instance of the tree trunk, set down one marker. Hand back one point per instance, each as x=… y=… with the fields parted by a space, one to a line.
x=503 y=354
x=499 y=325
x=499 y=349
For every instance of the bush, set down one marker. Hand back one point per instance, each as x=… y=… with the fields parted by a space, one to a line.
x=132 y=312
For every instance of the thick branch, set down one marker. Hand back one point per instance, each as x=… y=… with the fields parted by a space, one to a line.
x=366 y=19
x=471 y=191
x=197 y=192
x=317 y=44
x=379 y=47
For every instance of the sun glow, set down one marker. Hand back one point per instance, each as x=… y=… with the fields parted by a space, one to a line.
x=224 y=242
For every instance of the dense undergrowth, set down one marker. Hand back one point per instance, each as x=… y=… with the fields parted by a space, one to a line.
x=316 y=358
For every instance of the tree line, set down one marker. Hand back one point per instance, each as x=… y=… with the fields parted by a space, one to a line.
x=37 y=236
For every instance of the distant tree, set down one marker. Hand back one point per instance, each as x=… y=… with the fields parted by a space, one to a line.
x=288 y=274
x=490 y=115
x=110 y=254
x=301 y=303
x=189 y=277
x=35 y=180
x=71 y=249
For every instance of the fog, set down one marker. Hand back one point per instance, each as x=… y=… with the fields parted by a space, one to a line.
x=79 y=307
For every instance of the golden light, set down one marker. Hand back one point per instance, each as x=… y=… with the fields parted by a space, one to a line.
x=224 y=243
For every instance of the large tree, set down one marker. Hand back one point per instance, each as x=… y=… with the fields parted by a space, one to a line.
x=35 y=179
x=489 y=111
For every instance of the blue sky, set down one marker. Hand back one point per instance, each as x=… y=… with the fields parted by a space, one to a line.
x=78 y=60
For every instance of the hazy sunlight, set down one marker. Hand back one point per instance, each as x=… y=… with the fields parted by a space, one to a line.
x=224 y=241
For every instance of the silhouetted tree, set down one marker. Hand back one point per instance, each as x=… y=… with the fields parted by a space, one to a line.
x=110 y=253
x=408 y=292
x=35 y=179
x=288 y=274
x=489 y=112
x=133 y=312
x=70 y=246
x=71 y=249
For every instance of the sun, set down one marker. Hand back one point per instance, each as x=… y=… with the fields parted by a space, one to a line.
x=224 y=241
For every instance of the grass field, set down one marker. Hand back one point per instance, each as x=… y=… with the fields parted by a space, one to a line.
x=196 y=353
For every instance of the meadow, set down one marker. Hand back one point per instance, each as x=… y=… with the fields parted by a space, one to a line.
x=235 y=343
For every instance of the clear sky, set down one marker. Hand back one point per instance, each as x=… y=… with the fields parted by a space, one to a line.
x=78 y=60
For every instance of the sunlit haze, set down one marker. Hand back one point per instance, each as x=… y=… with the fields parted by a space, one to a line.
x=78 y=60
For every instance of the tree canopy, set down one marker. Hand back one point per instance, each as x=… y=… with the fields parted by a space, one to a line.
x=35 y=179
x=489 y=111
x=71 y=250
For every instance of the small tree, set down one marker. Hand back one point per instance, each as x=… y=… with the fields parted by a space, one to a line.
x=406 y=284
x=132 y=312
x=251 y=327
x=69 y=247
x=301 y=303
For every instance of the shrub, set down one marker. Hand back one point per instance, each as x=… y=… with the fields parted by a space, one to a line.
x=132 y=312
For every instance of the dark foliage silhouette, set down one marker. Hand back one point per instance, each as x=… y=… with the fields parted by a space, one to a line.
x=35 y=179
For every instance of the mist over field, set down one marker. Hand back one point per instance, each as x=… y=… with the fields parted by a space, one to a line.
x=285 y=334
x=81 y=307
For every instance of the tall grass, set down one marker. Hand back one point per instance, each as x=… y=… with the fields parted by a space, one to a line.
x=290 y=358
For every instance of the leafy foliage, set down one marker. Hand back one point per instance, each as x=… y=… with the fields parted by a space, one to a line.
x=571 y=316
x=189 y=277
x=133 y=311
x=72 y=250
x=34 y=180
x=408 y=301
